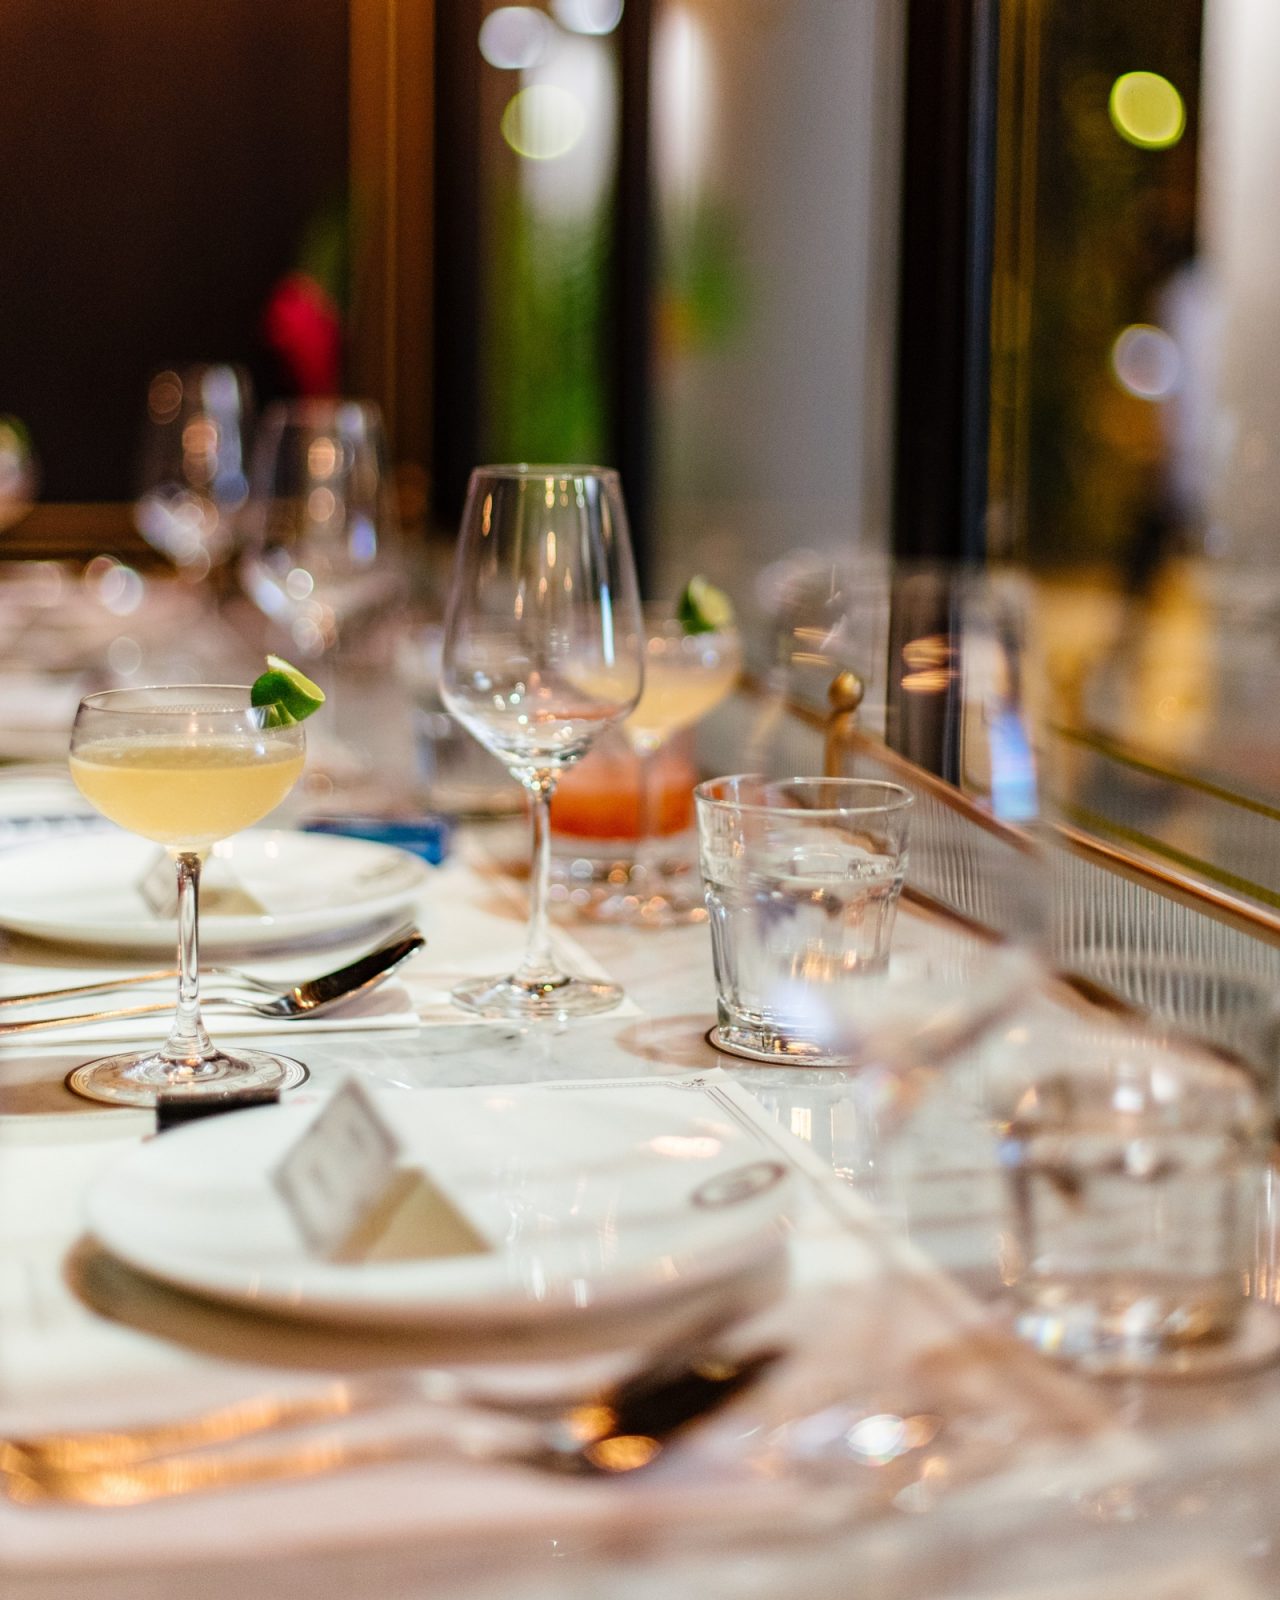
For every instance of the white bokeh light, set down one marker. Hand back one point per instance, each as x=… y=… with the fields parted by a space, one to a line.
x=1146 y=362
x=515 y=37
x=587 y=16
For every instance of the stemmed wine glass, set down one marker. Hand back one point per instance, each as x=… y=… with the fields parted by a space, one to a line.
x=544 y=649
x=184 y=767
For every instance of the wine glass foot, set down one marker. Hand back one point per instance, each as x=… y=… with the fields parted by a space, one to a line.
x=523 y=1002
x=133 y=1079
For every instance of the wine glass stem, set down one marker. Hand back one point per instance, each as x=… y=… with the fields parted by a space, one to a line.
x=538 y=969
x=188 y=1044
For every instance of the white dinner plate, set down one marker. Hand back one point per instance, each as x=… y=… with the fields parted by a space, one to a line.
x=276 y=887
x=589 y=1196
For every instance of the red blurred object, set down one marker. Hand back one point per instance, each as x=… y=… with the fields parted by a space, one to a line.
x=303 y=325
x=599 y=798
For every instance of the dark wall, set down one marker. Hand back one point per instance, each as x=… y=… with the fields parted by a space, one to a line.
x=160 y=163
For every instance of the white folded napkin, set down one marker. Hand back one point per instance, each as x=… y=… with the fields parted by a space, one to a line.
x=866 y=1324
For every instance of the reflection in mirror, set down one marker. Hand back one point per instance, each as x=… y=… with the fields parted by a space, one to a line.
x=1135 y=415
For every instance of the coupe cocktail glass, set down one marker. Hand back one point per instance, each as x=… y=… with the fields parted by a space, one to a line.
x=185 y=767
x=686 y=675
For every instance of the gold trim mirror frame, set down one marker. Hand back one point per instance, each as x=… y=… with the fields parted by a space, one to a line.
x=390 y=112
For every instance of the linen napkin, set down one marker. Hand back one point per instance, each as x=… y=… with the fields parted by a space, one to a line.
x=870 y=1329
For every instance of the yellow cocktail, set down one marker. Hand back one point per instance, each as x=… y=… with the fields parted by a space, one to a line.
x=186 y=796
x=681 y=685
x=686 y=675
x=185 y=767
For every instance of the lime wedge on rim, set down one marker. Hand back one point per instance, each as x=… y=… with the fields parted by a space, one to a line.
x=290 y=693
x=703 y=608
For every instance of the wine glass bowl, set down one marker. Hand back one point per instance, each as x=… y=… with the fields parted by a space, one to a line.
x=544 y=649
x=319 y=519
x=193 y=480
x=184 y=766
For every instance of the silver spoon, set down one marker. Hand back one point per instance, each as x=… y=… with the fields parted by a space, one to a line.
x=294 y=1005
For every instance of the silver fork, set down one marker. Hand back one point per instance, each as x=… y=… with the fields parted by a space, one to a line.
x=304 y=1000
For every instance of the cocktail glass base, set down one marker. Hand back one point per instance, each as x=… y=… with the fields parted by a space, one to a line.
x=649 y=897
x=507 y=997
x=133 y=1079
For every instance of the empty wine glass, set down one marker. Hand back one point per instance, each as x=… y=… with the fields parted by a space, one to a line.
x=19 y=474
x=544 y=648
x=193 y=479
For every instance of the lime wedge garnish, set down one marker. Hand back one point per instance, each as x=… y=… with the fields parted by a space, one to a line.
x=290 y=693
x=703 y=608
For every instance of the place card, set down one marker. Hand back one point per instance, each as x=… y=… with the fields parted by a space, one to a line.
x=356 y=1195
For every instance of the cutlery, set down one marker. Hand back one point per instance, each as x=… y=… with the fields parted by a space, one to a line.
x=224 y=975
x=304 y=1000
x=615 y=1432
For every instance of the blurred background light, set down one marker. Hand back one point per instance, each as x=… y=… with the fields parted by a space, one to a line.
x=685 y=105
x=1146 y=362
x=587 y=16
x=514 y=37
x=1147 y=110
x=164 y=396
x=543 y=122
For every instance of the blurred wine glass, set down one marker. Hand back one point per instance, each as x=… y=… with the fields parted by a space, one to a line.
x=320 y=533
x=193 y=480
x=320 y=519
x=687 y=674
x=19 y=478
x=977 y=873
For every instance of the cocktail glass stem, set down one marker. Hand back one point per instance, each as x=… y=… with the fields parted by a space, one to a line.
x=645 y=866
x=188 y=1044
x=538 y=970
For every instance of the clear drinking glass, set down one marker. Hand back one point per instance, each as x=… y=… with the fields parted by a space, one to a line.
x=802 y=882
x=183 y=766
x=686 y=675
x=1135 y=1167
x=544 y=648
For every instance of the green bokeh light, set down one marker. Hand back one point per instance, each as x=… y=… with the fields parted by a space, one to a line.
x=1147 y=110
